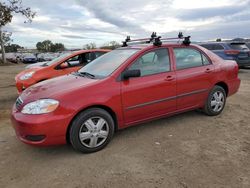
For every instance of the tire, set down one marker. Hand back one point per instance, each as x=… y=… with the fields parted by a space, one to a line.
x=215 y=102
x=91 y=130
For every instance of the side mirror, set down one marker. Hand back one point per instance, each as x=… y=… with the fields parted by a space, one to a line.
x=131 y=73
x=64 y=65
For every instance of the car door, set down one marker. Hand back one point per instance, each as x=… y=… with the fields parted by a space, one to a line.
x=194 y=73
x=153 y=93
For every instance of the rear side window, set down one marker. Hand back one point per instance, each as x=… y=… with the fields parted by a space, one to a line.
x=213 y=46
x=188 y=58
x=205 y=60
x=153 y=62
x=238 y=46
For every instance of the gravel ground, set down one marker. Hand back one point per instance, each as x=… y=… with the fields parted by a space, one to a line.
x=186 y=150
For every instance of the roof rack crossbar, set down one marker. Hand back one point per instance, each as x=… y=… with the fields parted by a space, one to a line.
x=157 y=40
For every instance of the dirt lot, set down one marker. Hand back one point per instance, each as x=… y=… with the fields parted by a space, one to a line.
x=187 y=150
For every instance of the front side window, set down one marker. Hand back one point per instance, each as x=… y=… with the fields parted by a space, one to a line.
x=188 y=58
x=153 y=62
x=108 y=63
x=56 y=60
x=74 y=61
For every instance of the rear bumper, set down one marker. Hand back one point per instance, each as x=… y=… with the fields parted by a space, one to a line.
x=243 y=63
x=233 y=86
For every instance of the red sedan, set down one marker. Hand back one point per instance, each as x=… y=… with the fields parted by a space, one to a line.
x=127 y=86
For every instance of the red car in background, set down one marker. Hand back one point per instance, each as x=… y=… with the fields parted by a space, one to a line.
x=130 y=85
x=64 y=64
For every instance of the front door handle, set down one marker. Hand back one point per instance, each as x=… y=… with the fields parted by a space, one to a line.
x=169 y=78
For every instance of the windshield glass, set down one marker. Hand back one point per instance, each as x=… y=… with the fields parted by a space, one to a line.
x=108 y=63
x=57 y=59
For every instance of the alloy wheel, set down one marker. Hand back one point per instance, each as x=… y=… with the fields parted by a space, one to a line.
x=94 y=132
x=217 y=101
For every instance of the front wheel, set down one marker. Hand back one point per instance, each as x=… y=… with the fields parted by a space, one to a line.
x=215 y=102
x=91 y=130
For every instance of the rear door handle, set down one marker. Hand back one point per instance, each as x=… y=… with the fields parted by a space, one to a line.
x=169 y=78
x=208 y=70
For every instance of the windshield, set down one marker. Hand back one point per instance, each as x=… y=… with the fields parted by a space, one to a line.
x=57 y=59
x=108 y=63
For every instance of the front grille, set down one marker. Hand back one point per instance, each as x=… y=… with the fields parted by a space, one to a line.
x=19 y=103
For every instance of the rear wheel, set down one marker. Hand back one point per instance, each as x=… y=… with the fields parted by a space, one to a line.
x=215 y=102
x=91 y=130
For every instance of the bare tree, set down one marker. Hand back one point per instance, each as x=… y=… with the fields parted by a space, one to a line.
x=7 y=9
x=89 y=46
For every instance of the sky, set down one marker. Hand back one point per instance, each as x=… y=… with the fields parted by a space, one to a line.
x=78 y=22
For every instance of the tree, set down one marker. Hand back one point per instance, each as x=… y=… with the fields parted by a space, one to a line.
x=111 y=45
x=44 y=46
x=90 y=46
x=7 y=9
x=12 y=47
x=57 y=47
x=5 y=39
x=48 y=46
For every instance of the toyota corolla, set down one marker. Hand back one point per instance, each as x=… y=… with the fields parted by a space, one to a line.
x=130 y=85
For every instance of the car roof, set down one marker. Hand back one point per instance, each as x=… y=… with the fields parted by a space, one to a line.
x=151 y=46
x=90 y=50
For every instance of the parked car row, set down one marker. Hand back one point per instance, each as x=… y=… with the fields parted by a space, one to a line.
x=121 y=88
x=29 y=58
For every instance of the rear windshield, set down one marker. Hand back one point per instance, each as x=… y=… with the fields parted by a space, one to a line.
x=238 y=46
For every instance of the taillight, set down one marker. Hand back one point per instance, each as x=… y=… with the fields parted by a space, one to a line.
x=232 y=52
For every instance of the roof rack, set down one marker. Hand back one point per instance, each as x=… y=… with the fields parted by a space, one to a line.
x=156 y=40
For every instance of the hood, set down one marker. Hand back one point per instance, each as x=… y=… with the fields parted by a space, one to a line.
x=35 y=65
x=55 y=87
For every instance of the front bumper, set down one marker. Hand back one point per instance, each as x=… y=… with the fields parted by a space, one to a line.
x=28 y=61
x=40 y=130
x=21 y=85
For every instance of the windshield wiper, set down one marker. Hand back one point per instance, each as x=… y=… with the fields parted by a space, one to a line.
x=44 y=65
x=85 y=74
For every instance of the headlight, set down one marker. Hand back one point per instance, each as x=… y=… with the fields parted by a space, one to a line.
x=41 y=106
x=26 y=76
